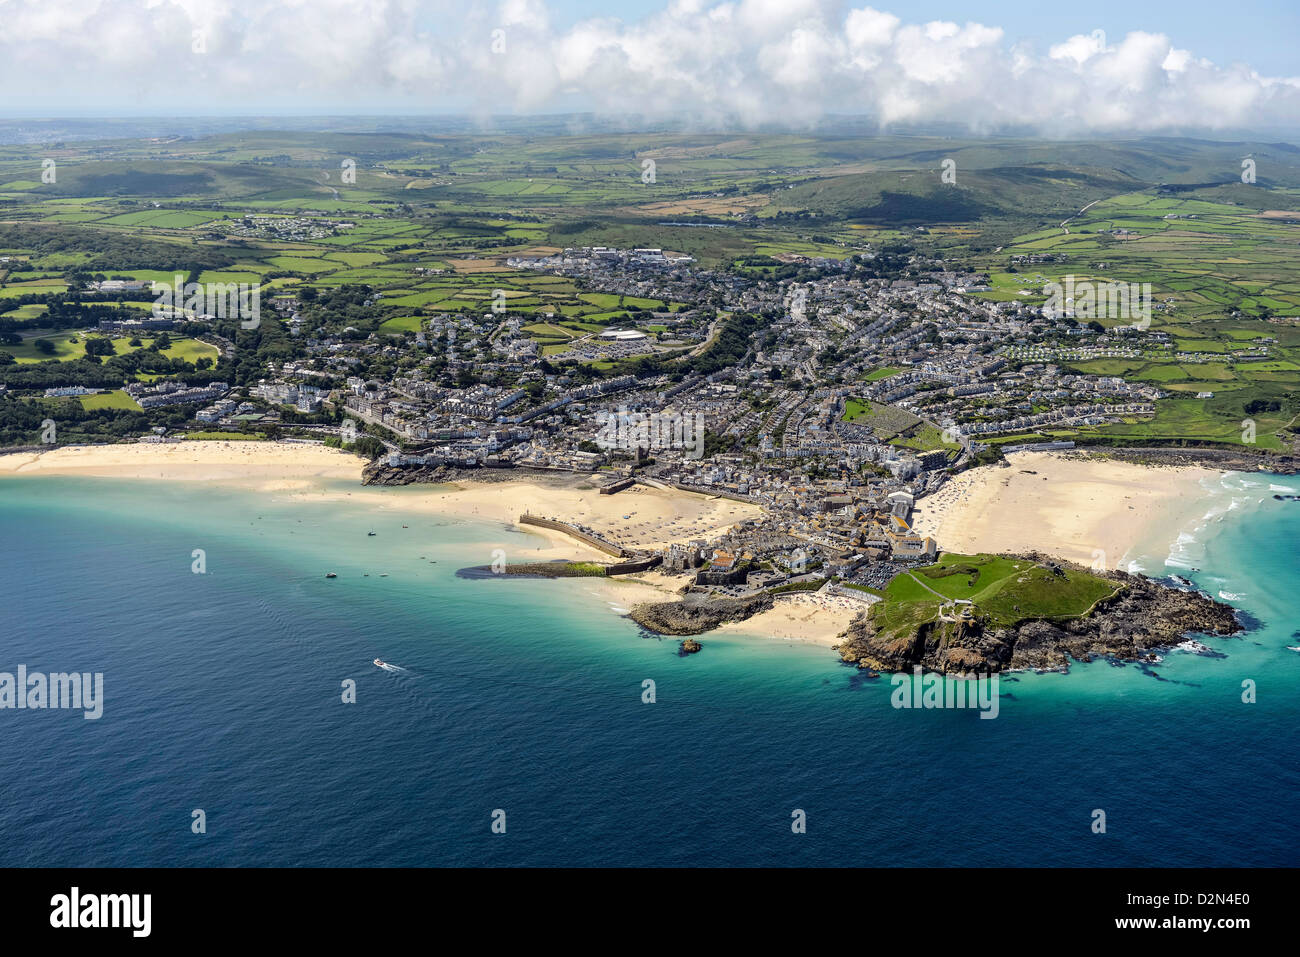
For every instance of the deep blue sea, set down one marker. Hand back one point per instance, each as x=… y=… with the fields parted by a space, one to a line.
x=223 y=693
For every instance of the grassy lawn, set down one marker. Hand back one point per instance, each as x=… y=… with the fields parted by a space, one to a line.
x=226 y=436
x=875 y=375
x=1004 y=591
x=401 y=324
x=117 y=399
x=72 y=345
x=887 y=421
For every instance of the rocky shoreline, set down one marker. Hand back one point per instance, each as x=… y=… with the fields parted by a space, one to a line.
x=1141 y=618
x=1230 y=460
x=378 y=473
x=695 y=615
x=555 y=569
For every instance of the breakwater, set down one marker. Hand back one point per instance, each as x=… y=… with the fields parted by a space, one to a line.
x=575 y=531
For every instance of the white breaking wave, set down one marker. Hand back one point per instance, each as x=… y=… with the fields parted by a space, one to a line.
x=1185 y=552
x=1231 y=596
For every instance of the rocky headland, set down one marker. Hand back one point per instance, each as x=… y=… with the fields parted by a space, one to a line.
x=696 y=614
x=1141 y=617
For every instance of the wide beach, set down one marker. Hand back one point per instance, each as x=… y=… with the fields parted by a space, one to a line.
x=637 y=518
x=262 y=464
x=1087 y=509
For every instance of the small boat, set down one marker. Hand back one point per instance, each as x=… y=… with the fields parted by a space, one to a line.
x=331 y=575
x=381 y=663
x=370 y=534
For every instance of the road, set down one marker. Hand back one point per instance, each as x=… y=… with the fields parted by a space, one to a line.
x=1079 y=213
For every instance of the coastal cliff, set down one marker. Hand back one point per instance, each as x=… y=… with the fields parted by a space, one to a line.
x=1139 y=618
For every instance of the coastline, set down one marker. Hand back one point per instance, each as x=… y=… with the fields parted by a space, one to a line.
x=638 y=518
x=1092 y=511
x=801 y=617
x=1070 y=506
x=268 y=466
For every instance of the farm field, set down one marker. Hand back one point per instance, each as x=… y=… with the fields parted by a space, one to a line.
x=73 y=346
x=432 y=221
x=1207 y=254
x=117 y=399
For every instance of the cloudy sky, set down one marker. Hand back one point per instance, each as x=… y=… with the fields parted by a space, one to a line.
x=1100 y=66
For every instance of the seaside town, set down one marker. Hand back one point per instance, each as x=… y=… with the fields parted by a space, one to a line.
x=833 y=400
x=674 y=434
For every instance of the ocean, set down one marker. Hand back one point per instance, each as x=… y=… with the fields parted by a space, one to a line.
x=226 y=653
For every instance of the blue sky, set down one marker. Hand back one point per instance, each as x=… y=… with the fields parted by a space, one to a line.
x=1066 y=69
x=1265 y=34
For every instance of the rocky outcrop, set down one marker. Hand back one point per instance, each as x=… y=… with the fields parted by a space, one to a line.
x=1131 y=625
x=694 y=614
x=556 y=569
x=1232 y=460
x=689 y=646
x=378 y=473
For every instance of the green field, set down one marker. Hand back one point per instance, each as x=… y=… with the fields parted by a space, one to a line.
x=432 y=221
x=117 y=399
x=875 y=375
x=1004 y=591
x=72 y=345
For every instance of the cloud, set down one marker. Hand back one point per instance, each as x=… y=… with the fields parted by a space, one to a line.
x=788 y=61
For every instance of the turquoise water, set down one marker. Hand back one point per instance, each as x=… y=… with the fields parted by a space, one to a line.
x=223 y=693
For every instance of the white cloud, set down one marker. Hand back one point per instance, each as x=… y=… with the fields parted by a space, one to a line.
x=759 y=60
x=1080 y=48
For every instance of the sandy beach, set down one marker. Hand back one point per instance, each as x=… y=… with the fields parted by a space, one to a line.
x=812 y=618
x=266 y=465
x=1088 y=510
x=1093 y=511
x=637 y=518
